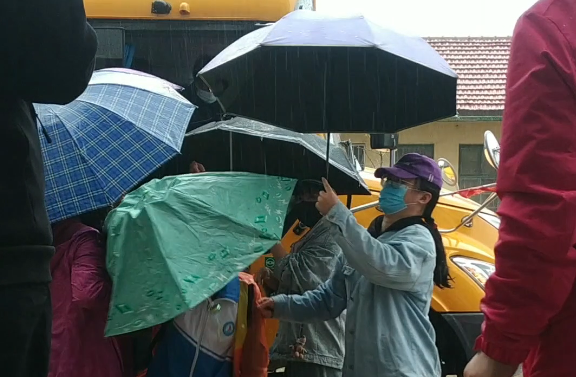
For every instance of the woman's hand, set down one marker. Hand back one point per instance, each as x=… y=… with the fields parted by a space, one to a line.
x=266 y=279
x=264 y=274
x=483 y=366
x=298 y=350
x=196 y=167
x=266 y=307
x=327 y=199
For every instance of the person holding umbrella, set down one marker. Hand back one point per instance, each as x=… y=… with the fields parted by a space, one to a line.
x=98 y=152
x=385 y=282
x=224 y=336
x=48 y=52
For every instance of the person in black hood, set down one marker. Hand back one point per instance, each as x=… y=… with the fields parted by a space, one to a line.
x=48 y=52
x=199 y=94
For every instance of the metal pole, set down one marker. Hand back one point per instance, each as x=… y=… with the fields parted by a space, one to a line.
x=364 y=206
x=392 y=157
x=231 y=152
x=451 y=193
x=469 y=218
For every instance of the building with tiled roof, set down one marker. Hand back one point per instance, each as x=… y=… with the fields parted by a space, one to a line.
x=481 y=65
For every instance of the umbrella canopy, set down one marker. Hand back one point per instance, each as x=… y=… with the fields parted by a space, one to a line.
x=264 y=149
x=310 y=72
x=174 y=242
x=104 y=143
x=139 y=73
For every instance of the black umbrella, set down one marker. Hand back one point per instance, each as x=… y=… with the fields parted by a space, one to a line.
x=241 y=144
x=313 y=73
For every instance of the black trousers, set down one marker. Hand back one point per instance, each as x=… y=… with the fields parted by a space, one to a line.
x=25 y=330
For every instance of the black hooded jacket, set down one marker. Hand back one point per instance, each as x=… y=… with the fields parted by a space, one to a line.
x=48 y=52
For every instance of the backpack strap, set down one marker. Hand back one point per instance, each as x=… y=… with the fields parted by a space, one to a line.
x=250 y=307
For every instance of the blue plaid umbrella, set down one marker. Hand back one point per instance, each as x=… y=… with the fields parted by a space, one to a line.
x=95 y=149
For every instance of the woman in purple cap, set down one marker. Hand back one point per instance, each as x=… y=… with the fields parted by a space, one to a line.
x=386 y=281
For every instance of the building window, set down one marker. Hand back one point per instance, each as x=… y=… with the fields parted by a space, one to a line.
x=474 y=170
x=424 y=149
x=360 y=153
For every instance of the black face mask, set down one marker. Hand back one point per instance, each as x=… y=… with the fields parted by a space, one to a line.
x=307 y=213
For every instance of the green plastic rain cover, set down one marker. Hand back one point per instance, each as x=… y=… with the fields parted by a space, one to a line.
x=174 y=242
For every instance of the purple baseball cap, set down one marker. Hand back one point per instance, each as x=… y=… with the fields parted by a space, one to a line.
x=413 y=166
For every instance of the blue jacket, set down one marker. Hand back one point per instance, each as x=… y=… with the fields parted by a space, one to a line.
x=310 y=263
x=385 y=285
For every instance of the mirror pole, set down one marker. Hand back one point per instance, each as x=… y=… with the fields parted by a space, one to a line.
x=469 y=218
x=451 y=193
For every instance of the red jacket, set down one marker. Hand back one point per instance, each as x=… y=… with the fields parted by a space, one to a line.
x=530 y=303
x=80 y=296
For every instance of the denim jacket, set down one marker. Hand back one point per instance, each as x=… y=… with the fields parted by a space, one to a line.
x=385 y=285
x=311 y=262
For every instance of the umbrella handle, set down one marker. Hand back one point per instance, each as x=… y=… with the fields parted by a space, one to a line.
x=231 y=152
x=324 y=120
x=327 y=154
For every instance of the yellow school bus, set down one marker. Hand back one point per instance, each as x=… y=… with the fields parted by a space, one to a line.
x=165 y=37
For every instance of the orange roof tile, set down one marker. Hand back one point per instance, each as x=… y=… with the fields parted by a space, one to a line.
x=481 y=65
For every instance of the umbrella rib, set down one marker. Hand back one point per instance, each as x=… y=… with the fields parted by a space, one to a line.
x=178 y=96
x=288 y=139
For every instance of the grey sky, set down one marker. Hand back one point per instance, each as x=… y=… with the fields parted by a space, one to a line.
x=437 y=18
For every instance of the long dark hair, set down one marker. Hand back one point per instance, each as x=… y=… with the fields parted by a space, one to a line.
x=442 y=276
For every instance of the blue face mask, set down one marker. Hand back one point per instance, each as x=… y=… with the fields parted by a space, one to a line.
x=392 y=199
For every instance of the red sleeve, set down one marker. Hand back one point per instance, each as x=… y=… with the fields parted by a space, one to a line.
x=90 y=282
x=535 y=254
x=255 y=354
